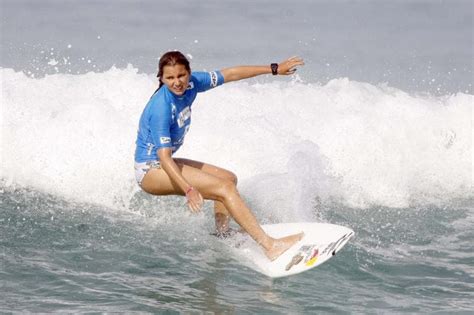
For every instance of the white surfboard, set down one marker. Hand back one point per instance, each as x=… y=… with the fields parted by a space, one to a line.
x=320 y=243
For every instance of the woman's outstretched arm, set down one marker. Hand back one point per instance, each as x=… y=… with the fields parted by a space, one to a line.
x=286 y=67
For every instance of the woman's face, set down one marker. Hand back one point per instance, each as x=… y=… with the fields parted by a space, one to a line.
x=176 y=78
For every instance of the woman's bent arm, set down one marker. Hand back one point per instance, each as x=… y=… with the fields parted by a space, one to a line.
x=195 y=199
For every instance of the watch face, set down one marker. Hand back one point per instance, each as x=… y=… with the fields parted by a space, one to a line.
x=274 y=67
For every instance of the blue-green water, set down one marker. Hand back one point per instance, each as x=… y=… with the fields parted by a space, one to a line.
x=59 y=256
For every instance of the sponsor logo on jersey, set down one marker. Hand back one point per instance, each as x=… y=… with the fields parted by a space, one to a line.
x=149 y=149
x=190 y=86
x=184 y=115
x=165 y=140
x=181 y=140
x=173 y=111
x=213 y=75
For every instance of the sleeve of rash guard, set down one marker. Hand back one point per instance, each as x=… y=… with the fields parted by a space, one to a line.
x=207 y=80
x=160 y=125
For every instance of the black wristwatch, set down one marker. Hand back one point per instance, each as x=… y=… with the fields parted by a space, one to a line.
x=274 y=67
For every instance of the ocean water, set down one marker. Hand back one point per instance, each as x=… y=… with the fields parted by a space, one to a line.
x=374 y=133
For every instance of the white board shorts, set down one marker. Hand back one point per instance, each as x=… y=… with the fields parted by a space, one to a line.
x=142 y=168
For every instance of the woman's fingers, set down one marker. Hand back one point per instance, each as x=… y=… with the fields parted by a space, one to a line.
x=289 y=66
x=193 y=207
x=195 y=201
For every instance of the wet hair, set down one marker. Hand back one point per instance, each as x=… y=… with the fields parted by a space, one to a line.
x=172 y=58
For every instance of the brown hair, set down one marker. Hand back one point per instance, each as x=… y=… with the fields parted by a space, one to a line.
x=172 y=58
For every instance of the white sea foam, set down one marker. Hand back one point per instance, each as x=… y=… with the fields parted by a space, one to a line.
x=289 y=142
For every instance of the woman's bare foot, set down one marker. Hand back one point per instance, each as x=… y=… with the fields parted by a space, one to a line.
x=281 y=245
x=222 y=222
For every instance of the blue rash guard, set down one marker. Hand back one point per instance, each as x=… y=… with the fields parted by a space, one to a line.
x=166 y=118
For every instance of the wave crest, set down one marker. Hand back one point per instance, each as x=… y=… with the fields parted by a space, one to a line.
x=354 y=142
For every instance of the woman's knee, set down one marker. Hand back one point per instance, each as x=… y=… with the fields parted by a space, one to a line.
x=232 y=177
x=229 y=176
x=227 y=189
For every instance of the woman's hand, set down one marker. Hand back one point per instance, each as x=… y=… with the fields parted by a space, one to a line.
x=195 y=199
x=244 y=72
x=288 y=66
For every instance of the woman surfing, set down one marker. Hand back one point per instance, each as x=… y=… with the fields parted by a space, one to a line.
x=162 y=129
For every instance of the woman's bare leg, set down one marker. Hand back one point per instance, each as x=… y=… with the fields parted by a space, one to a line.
x=211 y=187
x=221 y=215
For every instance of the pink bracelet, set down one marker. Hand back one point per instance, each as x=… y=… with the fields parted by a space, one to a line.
x=191 y=188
